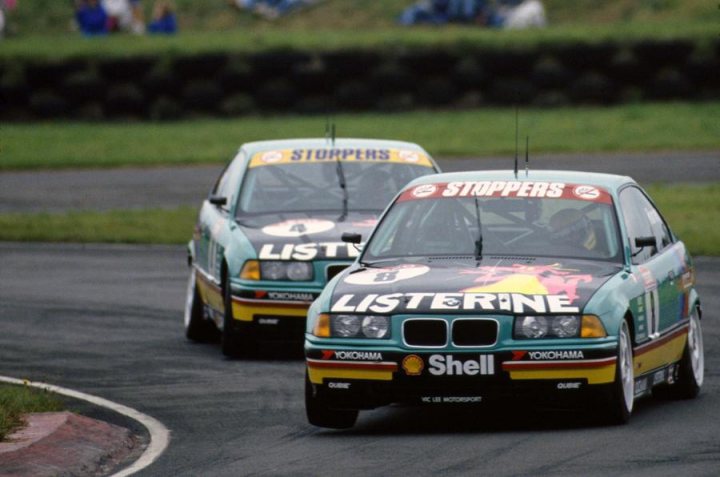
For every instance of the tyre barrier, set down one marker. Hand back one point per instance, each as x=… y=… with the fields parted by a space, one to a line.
x=171 y=86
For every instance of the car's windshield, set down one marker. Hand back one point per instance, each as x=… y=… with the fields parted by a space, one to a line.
x=517 y=226
x=316 y=187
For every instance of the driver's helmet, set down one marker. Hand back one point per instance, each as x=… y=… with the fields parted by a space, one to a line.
x=571 y=226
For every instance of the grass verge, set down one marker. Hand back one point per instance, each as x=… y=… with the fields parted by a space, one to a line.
x=637 y=127
x=693 y=212
x=15 y=401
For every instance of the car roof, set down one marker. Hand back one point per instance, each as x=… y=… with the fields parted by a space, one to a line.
x=608 y=181
x=311 y=143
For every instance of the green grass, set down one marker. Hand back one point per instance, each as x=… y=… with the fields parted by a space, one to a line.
x=18 y=400
x=116 y=226
x=43 y=27
x=693 y=212
x=641 y=127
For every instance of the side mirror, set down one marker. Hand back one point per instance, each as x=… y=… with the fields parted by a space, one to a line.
x=351 y=237
x=217 y=200
x=641 y=242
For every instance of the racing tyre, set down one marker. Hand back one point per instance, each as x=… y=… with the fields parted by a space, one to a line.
x=691 y=372
x=232 y=343
x=621 y=395
x=197 y=328
x=319 y=414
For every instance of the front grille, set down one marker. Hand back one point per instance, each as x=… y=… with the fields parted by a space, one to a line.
x=333 y=270
x=472 y=332
x=425 y=332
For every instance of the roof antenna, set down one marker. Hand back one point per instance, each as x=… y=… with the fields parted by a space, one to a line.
x=327 y=127
x=516 y=141
x=332 y=129
x=527 y=155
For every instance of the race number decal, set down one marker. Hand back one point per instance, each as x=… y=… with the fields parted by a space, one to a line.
x=298 y=227
x=383 y=276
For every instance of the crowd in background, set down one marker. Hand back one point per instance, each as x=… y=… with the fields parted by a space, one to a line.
x=100 y=17
x=490 y=13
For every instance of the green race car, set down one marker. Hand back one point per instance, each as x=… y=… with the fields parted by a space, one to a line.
x=481 y=286
x=267 y=237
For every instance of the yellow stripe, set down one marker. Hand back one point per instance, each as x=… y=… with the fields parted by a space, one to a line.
x=318 y=374
x=210 y=294
x=244 y=312
x=354 y=154
x=606 y=374
x=669 y=352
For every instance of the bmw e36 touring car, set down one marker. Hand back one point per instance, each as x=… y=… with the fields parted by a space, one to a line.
x=484 y=285
x=267 y=237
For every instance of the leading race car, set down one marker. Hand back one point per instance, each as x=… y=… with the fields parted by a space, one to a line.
x=267 y=237
x=481 y=285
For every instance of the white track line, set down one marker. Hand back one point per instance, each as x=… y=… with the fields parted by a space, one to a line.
x=159 y=434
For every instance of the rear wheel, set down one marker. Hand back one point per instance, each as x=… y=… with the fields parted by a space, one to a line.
x=691 y=372
x=621 y=395
x=197 y=328
x=319 y=414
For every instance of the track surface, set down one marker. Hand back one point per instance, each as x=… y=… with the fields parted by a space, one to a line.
x=159 y=187
x=107 y=320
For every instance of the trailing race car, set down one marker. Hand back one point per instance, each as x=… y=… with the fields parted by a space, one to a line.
x=481 y=285
x=267 y=237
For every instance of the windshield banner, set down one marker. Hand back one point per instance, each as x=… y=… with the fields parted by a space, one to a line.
x=511 y=189
x=329 y=154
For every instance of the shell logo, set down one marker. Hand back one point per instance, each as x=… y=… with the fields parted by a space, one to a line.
x=413 y=365
x=409 y=156
x=425 y=190
x=271 y=157
x=586 y=192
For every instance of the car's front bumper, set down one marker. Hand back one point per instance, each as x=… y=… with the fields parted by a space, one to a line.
x=366 y=379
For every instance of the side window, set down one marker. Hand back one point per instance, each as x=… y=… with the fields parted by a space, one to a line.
x=226 y=184
x=642 y=220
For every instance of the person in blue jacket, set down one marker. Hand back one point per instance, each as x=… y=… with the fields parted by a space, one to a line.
x=164 y=20
x=91 y=17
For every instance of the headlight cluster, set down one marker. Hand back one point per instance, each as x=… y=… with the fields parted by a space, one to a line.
x=353 y=326
x=563 y=326
x=277 y=271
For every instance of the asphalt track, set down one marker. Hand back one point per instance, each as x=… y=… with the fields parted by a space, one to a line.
x=164 y=187
x=107 y=320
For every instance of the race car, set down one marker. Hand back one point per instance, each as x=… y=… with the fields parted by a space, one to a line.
x=474 y=287
x=267 y=237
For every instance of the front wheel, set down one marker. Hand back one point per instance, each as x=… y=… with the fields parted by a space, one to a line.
x=233 y=343
x=319 y=414
x=197 y=328
x=621 y=395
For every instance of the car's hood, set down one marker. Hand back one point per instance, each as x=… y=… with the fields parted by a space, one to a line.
x=299 y=236
x=462 y=285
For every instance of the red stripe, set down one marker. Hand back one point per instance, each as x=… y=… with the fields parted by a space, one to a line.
x=353 y=365
x=261 y=303
x=660 y=341
x=523 y=365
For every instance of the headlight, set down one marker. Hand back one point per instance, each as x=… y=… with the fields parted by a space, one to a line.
x=277 y=270
x=563 y=326
x=360 y=326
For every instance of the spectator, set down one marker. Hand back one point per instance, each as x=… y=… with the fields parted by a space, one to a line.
x=124 y=15
x=91 y=17
x=439 y=12
x=271 y=9
x=163 y=20
x=517 y=14
x=5 y=7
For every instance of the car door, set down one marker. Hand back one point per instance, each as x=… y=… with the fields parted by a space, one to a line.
x=657 y=267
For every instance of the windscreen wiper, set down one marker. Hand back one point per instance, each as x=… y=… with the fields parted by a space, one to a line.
x=479 y=241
